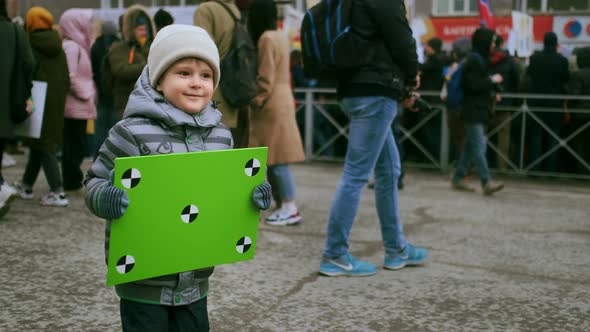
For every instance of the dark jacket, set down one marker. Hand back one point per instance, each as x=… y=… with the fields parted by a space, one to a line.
x=431 y=73
x=52 y=67
x=477 y=84
x=391 y=50
x=98 y=52
x=503 y=63
x=7 y=54
x=548 y=73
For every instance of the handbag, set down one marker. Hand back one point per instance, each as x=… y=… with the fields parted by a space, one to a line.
x=20 y=83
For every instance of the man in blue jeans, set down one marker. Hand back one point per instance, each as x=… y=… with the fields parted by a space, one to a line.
x=480 y=93
x=370 y=97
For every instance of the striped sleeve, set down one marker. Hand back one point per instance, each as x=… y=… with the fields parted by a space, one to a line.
x=98 y=182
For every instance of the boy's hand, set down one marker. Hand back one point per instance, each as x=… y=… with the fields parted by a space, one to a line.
x=114 y=202
x=261 y=195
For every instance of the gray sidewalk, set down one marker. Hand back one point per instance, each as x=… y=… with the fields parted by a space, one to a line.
x=518 y=261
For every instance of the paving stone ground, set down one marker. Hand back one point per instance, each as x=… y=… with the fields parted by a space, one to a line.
x=518 y=261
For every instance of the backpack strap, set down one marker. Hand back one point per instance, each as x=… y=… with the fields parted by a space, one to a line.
x=236 y=20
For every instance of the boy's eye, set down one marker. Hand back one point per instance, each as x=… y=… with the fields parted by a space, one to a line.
x=206 y=75
x=183 y=73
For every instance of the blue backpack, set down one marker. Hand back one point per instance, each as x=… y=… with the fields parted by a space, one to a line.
x=455 y=90
x=330 y=46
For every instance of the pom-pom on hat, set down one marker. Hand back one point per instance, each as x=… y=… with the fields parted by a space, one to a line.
x=178 y=41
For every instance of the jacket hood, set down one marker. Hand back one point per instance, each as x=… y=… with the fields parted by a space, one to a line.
x=76 y=25
x=108 y=28
x=550 y=42
x=461 y=47
x=47 y=42
x=145 y=101
x=498 y=56
x=482 y=40
x=129 y=19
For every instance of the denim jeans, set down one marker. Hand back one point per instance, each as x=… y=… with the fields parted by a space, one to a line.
x=281 y=180
x=371 y=145
x=473 y=150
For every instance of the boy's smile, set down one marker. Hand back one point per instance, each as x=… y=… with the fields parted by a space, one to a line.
x=188 y=85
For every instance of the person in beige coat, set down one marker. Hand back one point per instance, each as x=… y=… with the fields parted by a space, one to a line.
x=272 y=118
x=215 y=19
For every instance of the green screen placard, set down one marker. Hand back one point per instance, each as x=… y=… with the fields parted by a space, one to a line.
x=186 y=211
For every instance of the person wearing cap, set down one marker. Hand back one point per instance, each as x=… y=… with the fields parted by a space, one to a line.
x=169 y=111
x=127 y=58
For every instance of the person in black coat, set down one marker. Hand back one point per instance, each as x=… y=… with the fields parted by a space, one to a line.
x=548 y=73
x=106 y=116
x=479 y=93
x=504 y=64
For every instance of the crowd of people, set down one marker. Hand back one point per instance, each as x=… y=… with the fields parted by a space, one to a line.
x=564 y=68
x=153 y=88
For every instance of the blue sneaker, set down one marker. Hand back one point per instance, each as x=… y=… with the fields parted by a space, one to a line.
x=408 y=257
x=346 y=265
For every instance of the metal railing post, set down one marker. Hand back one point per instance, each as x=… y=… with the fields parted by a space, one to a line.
x=308 y=124
x=444 y=141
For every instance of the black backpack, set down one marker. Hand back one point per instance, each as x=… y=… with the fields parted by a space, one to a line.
x=238 y=68
x=330 y=46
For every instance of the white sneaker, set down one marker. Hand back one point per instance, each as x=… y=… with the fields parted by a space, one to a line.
x=10 y=190
x=21 y=191
x=281 y=218
x=8 y=161
x=54 y=199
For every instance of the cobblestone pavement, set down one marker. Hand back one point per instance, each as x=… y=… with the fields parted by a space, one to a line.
x=518 y=261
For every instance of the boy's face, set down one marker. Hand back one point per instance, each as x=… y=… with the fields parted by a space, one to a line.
x=188 y=85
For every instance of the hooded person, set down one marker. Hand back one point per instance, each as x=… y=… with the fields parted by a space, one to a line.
x=478 y=85
x=547 y=73
x=52 y=68
x=127 y=57
x=77 y=33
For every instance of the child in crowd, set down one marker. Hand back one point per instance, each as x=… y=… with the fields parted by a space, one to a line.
x=169 y=111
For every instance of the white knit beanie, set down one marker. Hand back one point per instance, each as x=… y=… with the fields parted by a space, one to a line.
x=178 y=41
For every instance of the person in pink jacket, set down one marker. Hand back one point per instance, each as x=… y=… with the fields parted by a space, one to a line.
x=76 y=30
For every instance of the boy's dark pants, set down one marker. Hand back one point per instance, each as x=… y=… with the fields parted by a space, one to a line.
x=141 y=317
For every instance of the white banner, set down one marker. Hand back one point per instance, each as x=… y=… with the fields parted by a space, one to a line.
x=572 y=29
x=521 y=38
x=32 y=126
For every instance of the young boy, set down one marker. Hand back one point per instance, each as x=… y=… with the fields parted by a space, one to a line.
x=169 y=111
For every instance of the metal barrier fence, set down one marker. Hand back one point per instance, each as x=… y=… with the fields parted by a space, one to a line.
x=522 y=139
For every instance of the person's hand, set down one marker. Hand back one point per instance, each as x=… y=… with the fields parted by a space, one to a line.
x=408 y=103
x=417 y=85
x=261 y=195
x=498 y=98
x=497 y=78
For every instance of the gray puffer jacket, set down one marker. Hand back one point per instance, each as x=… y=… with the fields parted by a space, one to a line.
x=152 y=126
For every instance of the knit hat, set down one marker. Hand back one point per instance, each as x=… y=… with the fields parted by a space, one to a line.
x=178 y=41
x=38 y=18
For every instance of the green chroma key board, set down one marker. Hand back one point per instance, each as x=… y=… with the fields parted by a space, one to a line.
x=186 y=211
